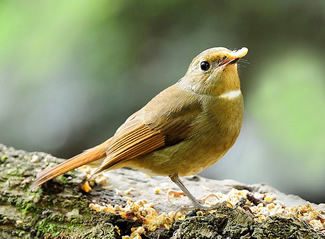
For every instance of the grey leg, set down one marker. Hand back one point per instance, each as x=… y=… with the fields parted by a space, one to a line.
x=179 y=183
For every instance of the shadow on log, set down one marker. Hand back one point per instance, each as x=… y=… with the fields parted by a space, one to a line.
x=130 y=205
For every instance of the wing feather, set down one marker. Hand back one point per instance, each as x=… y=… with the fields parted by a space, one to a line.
x=143 y=141
x=159 y=124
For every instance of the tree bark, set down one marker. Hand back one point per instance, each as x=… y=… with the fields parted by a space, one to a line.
x=60 y=209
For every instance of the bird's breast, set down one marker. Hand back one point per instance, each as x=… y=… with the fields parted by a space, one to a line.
x=218 y=129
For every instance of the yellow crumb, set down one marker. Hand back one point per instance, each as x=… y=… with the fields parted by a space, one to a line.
x=166 y=186
x=100 y=179
x=95 y=207
x=199 y=213
x=109 y=208
x=35 y=158
x=85 y=187
x=107 y=186
x=127 y=198
x=128 y=192
x=157 y=190
x=117 y=230
x=269 y=199
x=118 y=192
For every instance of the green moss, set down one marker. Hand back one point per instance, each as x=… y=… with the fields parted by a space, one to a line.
x=70 y=173
x=28 y=207
x=19 y=172
x=50 y=226
x=25 y=206
x=55 y=224
x=76 y=221
x=46 y=226
x=62 y=179
x=3 y=158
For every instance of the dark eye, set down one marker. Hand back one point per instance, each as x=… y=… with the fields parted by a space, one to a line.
x=204 y=65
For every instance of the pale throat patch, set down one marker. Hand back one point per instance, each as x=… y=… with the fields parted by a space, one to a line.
x=231 y=94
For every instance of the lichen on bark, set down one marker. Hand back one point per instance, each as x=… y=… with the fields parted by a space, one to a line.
x=58 y=210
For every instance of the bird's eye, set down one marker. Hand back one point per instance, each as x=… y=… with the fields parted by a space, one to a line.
x=204 y=65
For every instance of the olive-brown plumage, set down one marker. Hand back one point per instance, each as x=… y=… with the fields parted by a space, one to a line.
x=181 y=131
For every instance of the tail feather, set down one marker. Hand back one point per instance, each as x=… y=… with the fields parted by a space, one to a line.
x=86 y=157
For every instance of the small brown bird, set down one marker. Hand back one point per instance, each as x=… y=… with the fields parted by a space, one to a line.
x=184 y=129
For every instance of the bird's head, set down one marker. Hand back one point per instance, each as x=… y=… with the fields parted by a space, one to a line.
x=214 y=71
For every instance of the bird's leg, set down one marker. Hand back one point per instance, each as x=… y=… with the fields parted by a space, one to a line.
x=179 y=183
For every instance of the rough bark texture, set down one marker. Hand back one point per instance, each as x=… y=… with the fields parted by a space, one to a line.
x=61 y=210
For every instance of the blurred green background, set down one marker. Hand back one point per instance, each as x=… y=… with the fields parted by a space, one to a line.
x=72 y=71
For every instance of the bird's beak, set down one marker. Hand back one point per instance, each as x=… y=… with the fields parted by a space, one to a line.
x=233 y=56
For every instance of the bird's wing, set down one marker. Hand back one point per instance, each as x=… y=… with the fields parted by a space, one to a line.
x=164 y=121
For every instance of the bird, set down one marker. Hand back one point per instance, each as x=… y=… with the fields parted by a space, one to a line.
x=184 y=129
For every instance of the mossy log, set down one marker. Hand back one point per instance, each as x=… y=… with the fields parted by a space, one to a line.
x=60 y=209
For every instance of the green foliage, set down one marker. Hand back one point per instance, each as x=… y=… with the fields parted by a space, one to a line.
x=289 y=100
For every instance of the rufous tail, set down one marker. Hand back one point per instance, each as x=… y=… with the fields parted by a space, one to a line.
x=86 y=157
